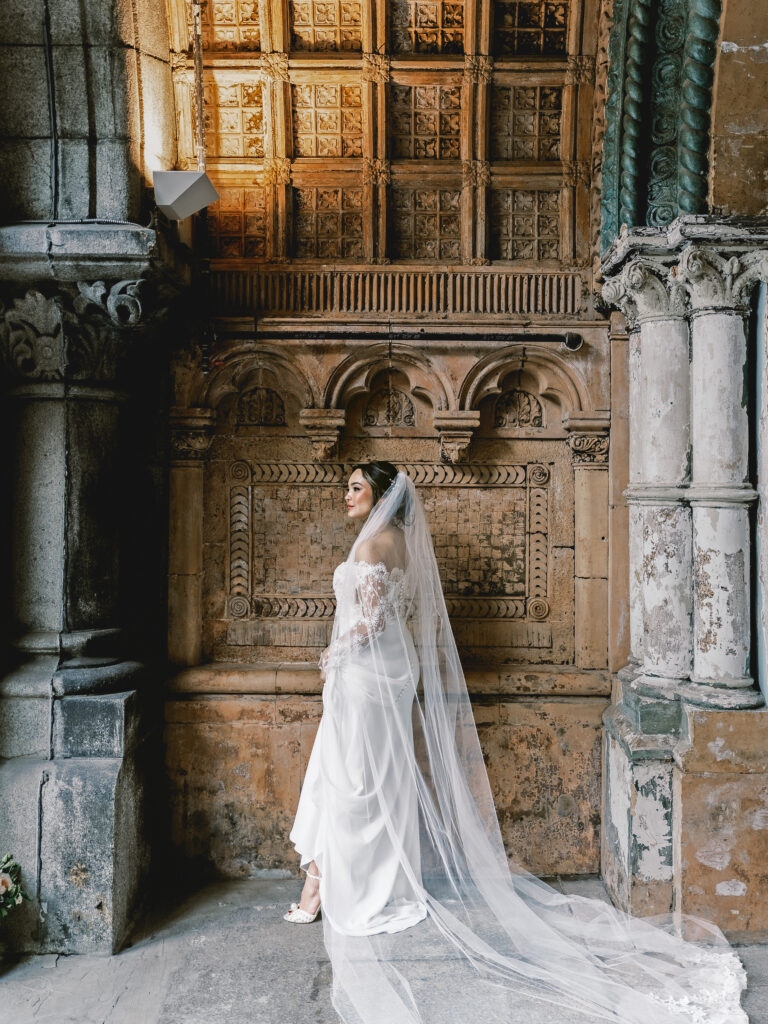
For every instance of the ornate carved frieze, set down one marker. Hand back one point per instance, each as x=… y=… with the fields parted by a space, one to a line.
x=589 y=448
x=376 y=67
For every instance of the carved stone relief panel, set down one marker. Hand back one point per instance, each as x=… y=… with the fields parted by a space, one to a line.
x=530 y=27
x=327 y=120
x=426 y=122
x=526 y=122
x=328 y=223
x=234 y=119
x=525 y=224
x=427 y=27
x=426 y=223
x=326 y=24
x=287 y=531
x=237 y=222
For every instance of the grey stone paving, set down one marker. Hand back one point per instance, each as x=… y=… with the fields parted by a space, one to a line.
x=224 y=956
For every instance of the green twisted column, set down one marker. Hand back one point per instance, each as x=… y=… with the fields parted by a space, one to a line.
x=698 y=76
x=639 y=34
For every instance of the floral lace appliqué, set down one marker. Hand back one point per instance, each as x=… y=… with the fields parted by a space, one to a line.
x=379 y=595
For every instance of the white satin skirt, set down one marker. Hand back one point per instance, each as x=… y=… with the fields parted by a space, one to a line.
x=358 y=811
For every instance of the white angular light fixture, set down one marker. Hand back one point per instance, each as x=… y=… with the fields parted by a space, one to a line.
x=179 y=194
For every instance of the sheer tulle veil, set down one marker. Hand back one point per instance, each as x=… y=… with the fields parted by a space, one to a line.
x=494 y=937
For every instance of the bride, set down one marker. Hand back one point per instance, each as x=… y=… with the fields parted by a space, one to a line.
x=425 y=919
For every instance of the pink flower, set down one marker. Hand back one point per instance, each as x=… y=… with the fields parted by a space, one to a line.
x=6 y=882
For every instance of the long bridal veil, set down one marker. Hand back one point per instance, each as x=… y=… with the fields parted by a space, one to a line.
x=490 y=937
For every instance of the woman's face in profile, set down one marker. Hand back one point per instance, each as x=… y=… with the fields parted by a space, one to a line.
x=359 y=497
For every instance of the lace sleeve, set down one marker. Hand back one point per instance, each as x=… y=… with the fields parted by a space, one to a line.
x=371 y=591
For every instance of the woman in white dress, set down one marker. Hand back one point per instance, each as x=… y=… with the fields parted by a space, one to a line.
x=425 y=919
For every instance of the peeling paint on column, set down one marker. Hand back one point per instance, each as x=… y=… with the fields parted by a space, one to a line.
x=652 y=818
x=667 y=590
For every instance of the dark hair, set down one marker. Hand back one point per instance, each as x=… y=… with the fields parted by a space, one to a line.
x=378 y=474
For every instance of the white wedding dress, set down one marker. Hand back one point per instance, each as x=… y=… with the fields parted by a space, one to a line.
x=426 y=920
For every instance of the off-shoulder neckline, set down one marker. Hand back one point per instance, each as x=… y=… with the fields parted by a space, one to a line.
x=375 y=565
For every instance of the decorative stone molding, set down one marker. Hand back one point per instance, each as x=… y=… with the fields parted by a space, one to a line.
x=275 y=170
x=324 y=427
x=456 y=429
x=274 y=67
x=475 y=172
x=191 y=433
x=720 y=282
x=376 y=67
x=376 y=171
x=478 y=68
x=580 y=70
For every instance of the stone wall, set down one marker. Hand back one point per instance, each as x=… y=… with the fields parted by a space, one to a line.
x=508 y=446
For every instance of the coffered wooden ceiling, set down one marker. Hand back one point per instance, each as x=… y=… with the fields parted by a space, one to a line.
x=376 y=131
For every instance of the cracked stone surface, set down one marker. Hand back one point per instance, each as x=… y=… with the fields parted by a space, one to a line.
x=224 y=956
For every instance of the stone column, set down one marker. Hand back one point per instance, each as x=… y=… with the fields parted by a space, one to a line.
x=191 y=435
x=588 y=441
x=660 y=523
x=74 y=741
x=719 y=288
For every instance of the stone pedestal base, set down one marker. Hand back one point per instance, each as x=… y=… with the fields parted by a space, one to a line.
x=77 y=824
x=685 y=825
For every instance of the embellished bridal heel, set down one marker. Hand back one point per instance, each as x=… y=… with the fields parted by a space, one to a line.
x=298 y=916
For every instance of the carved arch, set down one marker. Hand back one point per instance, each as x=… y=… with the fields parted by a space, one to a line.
x=240 y=369
x=554 y=379
x=355 y=375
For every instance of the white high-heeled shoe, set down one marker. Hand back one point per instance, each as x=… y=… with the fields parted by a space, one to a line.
x=298 y=916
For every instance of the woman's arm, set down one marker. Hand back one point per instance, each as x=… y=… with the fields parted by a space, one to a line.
x=371 y=589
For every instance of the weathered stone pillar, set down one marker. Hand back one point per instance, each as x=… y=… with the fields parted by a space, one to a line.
x=681 y=767
x=719 y=287
x=191 y=434
x=74 y=738
x=660 y=527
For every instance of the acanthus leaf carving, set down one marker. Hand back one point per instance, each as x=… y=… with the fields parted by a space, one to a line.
x=589 y=448
x=720 y=281
x=646 y=290
x=32 y=338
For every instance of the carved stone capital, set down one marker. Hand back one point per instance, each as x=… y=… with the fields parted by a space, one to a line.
x=376 y=171
x=191 y=433
x=456 y=429
x=375 y=67
x=720 y=282
x=274 y=66
x=589 y=448
x=646 y=290
x=78 y=331
x=580 y=71
x=324 y=427
x=275 y=170
x=475 y=172
x=478 y=68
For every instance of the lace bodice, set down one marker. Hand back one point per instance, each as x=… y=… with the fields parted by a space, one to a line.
x=368 y=596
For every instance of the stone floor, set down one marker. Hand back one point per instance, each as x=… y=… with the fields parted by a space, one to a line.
x=224 y=956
